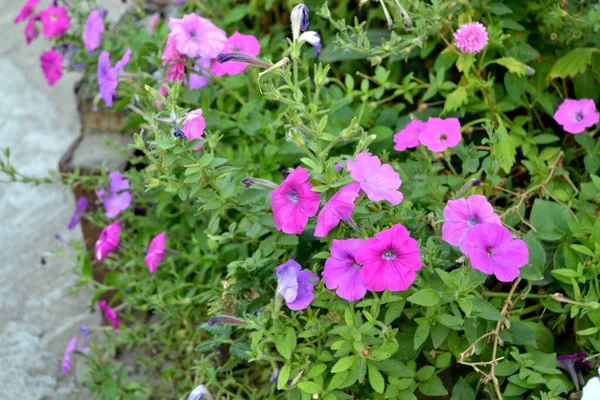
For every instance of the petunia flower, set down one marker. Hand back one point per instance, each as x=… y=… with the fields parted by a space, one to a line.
x=296 y=285
x=87 y=335
x=156 y=251
x=225 y=320
x=379 y=181
x=577 y=115
x=92 y=33
x=293 y=202
x=51 y=63
x=338 y=208
x=313 y=38
x=342 y=271
x=408 y=137
x=26 y=11
x=389 y=260
x=199 y=391
x=247 y=44
x=194 y=126
x=108 y=76
x=55 y=21
x=67 y=362
x=67 y=50
x=492 y=250
x=439 y=134
x=471 y=37
x=110 y=314
x=163 y=91
x=299 y=20
x=153 y=23
x=463 y=214
x=80 y=208
x=118 y=197
x=574 y=364
x=31 y=30
x=174 y=61
x=108 y=241
x=591 y=390
x=196 y=36
x=201 y=79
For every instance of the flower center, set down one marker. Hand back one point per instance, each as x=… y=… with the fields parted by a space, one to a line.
x=53 y=17
x=489 y=251
x=471 y=37
x=579 y=117
x=293 y=196
x=443 y=136
x=472 y=221
x=389 y=255
x=193 y=35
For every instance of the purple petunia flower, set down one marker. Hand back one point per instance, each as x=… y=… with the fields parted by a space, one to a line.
x=463 y=214
x=67 y=363
x=110 y=314
x=573 y=364
x=198 y=393
x=108 y=76
x=296 y=285
x=156 y=251
x=92 y=33
x=314 y=39
x=338 y=208
x=108 y=241
x=87 y=335
x=80 y=208
x=118 y=197
x=342 y=271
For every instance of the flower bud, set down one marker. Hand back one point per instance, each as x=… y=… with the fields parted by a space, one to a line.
x=241 y=57
x=200 y=393
x=299 y=19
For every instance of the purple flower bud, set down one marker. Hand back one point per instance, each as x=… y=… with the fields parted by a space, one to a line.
x=198 y=393
x=299 y=19
x=178 y=133
x=259 y=183
x=225 y=320
x=103 y=12
x=241 y=57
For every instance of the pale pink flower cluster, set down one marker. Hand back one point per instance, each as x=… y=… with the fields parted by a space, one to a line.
x=436 y=134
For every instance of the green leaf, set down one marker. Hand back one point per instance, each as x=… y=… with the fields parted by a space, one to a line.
x=337 y=380
x=433 y=387
x=286 y=344
x=425 y=297
x=393 y=312
x=513 y=65
x=421 y=335
x=550 y=220
x=284 y=377
x=505 y=150
x=500 y=9
x=310 y=387
x=463 y=391
x=343 y=364
x=507 y=368
x=456 y=99
x=572 y=64
x=588 y=331
x=375 y=378
x=465 y=62
x=316 y=370
x=486 y=310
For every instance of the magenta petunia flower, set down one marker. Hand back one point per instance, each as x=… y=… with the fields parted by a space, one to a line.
x=577 y=115
x=80 y=208
x=55 y=21
x=67 y=363
x=26 y=11
x=51 y=62
x=196 y=36
x=174 y=60
x=118 y=197
x=92 y=33
x=296 y=285
x=194 y=126
x=408 y=137
x=492 y=250
x=293 y=202
x=153 y=23
x=110 y=314
x=108 y=76
x=31 y=30
x=379 y=181
x=108 y=241
x=463 y=214
x=339 y=207
x=237 y=42
x=201 y=79
x=471 y=37
x=439 y=134
x=156 y=251
x=389 y=260
x=342 y=271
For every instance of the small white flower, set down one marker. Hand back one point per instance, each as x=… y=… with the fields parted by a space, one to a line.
x=299 y=19
x=200 y=393
x=591 y=390
x=312 y=38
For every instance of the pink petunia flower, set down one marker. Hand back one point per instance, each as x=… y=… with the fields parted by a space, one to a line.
x=92 y=33
x=389 y=260
x=408 y=137
x=200 y=80
x=118 y=197
x=67 y=363
x=174 y=60
x=31 y=30
x=471 y=37
x=293 y=202
x=51 y=62
x=26 y=11
x=108 y=241
x=55 y=21
x=463 y=214
x=492 y=250
x=196 y=36
x=110 y=314
x=439 y=134
x=194 y=126
x=338 y=208
x=342 y=271
x=108 y=76
x=163 y=91
x=379 y=181
x=156 y=251
x=296 y=285
x=80 y=208
x=577 y=115
x=237 y=42
x=153 y=23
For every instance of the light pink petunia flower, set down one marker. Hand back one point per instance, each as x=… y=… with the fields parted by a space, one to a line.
x=118 y=197
x=31 y=30
x=439 y=134
x=194 y=126
x=92 y=33
x=110 y=314
x=342 y=271
x=471 y=37
x=338 y=208
x=379 y=181
x=492 y=250
x=463 y=214
x=196 y=36
x=51 y=62
x=577 y=115
x=67 y=363
x=201 y=79
x=108 y=241
x=26 y=11
x=408 y=137
x=153 y=23
x=174 y=61
x=108 y=76
x=156 y=251
x=293 y=202
x=389 y=260
x=55 y=21
x=296 y=285
x=237 y=42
